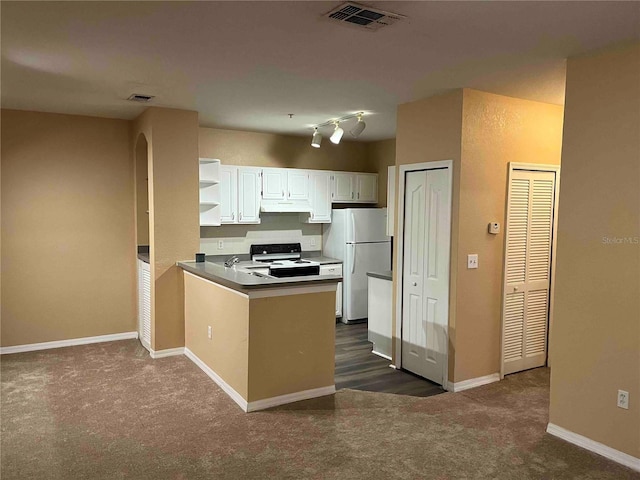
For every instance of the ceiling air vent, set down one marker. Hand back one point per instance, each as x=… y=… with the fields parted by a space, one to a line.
x=137 y=97
x=362 y=17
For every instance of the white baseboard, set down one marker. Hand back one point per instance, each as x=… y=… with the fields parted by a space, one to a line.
x=595 y=447
x=31 y=347
x=387 y=357
x=169 y=352
x=228 y=389
x=290 y=398
x=472 y=382
x=258 y=404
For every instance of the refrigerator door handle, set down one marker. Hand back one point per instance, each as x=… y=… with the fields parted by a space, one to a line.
x=353 y=258
x=353 y=228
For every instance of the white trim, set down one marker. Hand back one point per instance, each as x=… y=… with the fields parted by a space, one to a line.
x=595 y=447
x=31 y=347
x=473 y=383
x=381 y=355
x=290 y=398
x=536 y=167
x=228 y=389
x=279 y=292
x=399 y=241
x=168 y=352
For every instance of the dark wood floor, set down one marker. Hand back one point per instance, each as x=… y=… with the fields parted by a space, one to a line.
x=359 y=369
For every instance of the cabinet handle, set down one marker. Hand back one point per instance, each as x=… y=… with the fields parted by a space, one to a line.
x=233 y=215
x=351 y=195
x=240 y=216
x=283 y=193
x=358 y=195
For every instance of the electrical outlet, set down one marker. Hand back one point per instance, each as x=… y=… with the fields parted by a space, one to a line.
x=209 y=331
x=623 y=399
x=472 y=260
x=220 y=244
x=312 y=242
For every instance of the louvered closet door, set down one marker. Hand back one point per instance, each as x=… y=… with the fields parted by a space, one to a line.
x=528 y=270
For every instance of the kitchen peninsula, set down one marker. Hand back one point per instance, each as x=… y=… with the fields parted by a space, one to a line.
x=265 y=341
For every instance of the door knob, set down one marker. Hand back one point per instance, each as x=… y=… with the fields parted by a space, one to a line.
x=415 y=284
x=515 y=289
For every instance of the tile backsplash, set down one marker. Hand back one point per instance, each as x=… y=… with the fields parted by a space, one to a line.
x=275 y=228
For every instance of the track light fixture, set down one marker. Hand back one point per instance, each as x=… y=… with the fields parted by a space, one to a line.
x=338 y=132
x=317 y=138
x=358 y=128
x=336 y=136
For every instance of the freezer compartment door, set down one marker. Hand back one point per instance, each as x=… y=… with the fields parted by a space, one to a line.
x=362 y=258
x=366 y=225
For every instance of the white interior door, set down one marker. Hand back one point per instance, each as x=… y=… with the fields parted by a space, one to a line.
x=529 y=236
x=425 y=298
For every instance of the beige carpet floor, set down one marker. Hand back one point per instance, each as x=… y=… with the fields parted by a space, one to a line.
x=108 y=411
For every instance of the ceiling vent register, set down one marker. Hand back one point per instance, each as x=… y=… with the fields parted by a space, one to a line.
x=138 y=97
x=363 y=17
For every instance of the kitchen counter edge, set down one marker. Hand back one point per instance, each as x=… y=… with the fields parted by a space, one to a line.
x=243 y=282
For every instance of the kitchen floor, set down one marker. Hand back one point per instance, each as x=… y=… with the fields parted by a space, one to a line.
x=359 y=369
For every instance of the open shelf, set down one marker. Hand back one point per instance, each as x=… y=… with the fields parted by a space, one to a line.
x=209 y=173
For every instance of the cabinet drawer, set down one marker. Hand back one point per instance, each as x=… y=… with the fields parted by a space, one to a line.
x=333 y=269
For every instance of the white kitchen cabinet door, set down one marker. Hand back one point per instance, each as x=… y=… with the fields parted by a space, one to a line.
x=343 y=187
x=248 y=195
x=228 y=194
x=274 y=183
x=297 y=184
x=366 y=188
x=320 y=197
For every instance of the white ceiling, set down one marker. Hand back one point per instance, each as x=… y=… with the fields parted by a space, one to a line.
x=246 y=65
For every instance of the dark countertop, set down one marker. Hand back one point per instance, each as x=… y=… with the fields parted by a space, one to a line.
x=386 y=275
x=243 y=281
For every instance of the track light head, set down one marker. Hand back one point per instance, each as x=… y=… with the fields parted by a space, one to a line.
x=317 y=138
x=336 y=136
x=358 y=128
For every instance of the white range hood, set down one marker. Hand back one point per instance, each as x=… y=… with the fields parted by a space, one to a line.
x=291 y=206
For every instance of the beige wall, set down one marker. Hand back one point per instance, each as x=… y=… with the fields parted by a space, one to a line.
x=173 y=214
x=431 y=130
x=496 y=130
x=380 y=156
x=294 y=351
x=481 y=133
x=141 y=175
x=227 y=351
x=595 y=337
x=235 y=147
x=68 y=231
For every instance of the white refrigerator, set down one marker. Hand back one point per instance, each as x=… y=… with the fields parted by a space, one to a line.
x=357 y=236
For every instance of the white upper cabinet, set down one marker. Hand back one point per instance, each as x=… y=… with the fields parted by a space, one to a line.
x=297 y=184
x=249 y=195
x=367 y=187
x=228 y=194
x=319 y=197
x=355 y=187
x=285 y=184
x=274 y=183
x=343 y=187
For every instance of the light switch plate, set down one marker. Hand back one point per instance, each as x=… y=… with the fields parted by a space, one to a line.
x=472 y=260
